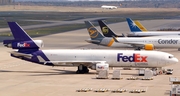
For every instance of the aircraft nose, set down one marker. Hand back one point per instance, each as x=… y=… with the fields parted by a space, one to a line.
x=175 y=60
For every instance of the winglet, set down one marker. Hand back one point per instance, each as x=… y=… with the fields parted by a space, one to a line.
x=123 y=35
x=115 y=39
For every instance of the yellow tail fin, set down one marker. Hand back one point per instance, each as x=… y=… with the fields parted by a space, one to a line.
x=141 y=27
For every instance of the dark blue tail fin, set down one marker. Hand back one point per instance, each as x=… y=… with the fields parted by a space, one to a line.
x=18 y=32
x=107 y=32
x=22 y=40
x=133 y=27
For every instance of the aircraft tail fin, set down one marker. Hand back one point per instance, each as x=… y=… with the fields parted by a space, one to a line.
x=106 y=30
x=18 y=32
x=142 y=28
x=132 y=25
x=22 y=40
x=93 y=32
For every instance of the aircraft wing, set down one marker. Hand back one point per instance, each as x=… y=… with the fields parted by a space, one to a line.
x=75 y=63
x=96 y=41
x=133 y=44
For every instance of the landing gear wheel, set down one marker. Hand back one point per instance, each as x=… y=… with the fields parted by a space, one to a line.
x=138 y=48
x=178 y=49
x=85 y=69
x=82 y=69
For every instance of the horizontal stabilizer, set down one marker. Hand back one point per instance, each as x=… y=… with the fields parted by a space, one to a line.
x=15 y=53
x=93 y=41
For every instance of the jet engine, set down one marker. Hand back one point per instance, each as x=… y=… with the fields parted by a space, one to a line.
x=149 y=47
x=23 y=44
x=100 y=66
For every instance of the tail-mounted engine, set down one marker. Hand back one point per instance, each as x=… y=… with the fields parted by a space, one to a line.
x=16 y=44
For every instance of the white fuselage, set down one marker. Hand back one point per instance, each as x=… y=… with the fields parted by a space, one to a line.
x=115 y=58
x=108 y=7
x=158 y=42
x=155 y=33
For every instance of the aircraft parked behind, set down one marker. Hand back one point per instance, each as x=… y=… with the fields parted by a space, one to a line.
x=136 y=30
x=147 y=43
x=108 y=7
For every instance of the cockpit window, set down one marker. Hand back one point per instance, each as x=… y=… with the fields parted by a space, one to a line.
x=171 y=57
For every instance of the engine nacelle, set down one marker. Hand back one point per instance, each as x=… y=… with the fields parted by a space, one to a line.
x=23 y=44
x=39 y=43
x=149 y=47
x=100 y=66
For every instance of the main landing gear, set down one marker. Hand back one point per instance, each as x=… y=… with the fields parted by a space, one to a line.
x=138 y=48
x=82 y=69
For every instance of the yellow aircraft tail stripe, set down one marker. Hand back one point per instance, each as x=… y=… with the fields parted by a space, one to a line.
x=141 y=27
x=110 y=43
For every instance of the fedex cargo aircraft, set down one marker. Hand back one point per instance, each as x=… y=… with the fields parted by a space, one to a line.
x=29 y=50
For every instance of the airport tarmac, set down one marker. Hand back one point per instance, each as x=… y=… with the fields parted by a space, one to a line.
x=22 y=78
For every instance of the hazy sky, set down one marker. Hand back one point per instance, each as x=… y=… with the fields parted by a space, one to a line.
x=68 y=0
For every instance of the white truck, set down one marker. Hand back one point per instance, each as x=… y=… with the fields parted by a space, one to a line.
x=141 y=72
x=169 y=71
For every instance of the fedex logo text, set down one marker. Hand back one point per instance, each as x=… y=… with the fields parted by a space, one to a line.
x=134 y=58
x=23 y=45
x=100 y=67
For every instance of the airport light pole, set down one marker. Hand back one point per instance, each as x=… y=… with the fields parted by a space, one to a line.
x=14 y=3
